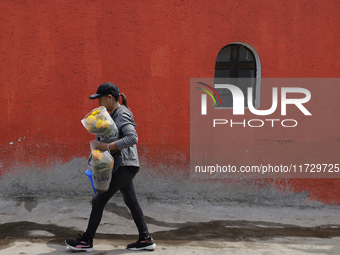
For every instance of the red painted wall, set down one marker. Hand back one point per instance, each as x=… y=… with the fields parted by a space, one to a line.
x=54 y=54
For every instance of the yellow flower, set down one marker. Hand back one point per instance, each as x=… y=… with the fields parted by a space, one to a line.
x=88 y=128
x=90 y=120
x=97 y=154
x=99 y=123
x=106 y=123
x=94 y=113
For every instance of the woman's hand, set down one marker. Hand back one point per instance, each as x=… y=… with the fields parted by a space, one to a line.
x=104 y=146
x=101 y=146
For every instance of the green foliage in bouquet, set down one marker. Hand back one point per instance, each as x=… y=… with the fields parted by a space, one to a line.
x=102 y=165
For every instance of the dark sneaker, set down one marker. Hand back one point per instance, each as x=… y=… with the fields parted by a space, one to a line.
x=143 y=243
x=80 y=244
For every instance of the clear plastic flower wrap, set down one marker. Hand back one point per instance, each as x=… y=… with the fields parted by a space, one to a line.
x=102 y=165
x=100 y=123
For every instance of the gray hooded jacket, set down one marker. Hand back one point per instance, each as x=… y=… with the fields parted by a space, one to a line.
x=127 y=149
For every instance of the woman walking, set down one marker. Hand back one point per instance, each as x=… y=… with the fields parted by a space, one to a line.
x=126 y=166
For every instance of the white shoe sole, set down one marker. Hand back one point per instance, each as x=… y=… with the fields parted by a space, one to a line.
x=79 y=249
x=150 y=247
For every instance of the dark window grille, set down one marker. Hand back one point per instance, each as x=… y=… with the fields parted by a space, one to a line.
x=235 y=64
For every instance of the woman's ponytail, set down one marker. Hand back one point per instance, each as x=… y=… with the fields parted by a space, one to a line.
x=124 y=99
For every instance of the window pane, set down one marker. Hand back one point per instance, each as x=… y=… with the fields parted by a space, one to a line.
x=224 y=55
x=245 y=55
x=246 y=73
x=222 y=73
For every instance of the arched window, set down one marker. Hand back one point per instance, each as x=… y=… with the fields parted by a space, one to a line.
x=238 y=64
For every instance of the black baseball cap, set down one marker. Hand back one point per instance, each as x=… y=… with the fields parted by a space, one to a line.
x=104 y=89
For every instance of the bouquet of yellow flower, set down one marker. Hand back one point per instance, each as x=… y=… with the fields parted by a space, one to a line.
x=100 y=123
x=102 y=165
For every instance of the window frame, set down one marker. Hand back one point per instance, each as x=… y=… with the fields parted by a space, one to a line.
x=257 y=99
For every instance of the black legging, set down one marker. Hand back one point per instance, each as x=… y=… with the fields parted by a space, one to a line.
x=121 y=180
